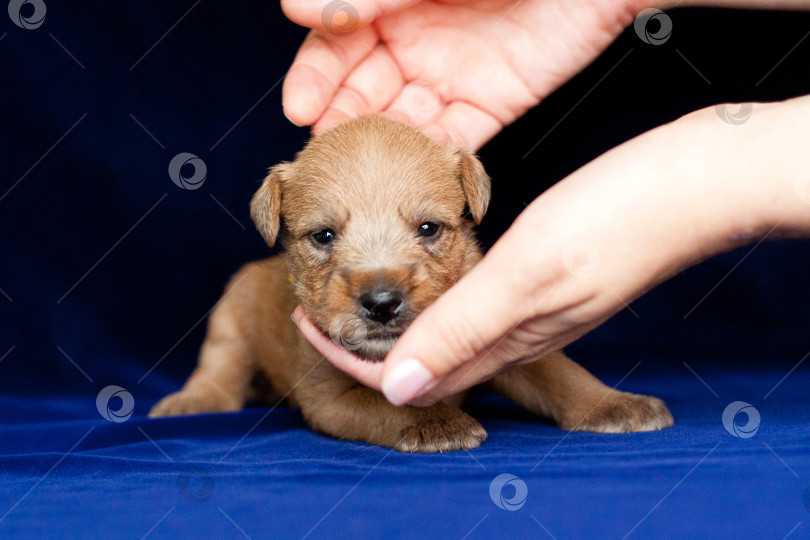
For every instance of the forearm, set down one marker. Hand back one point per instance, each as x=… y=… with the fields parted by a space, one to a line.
x=738 y=4
x=756 y=174
x=664 y=201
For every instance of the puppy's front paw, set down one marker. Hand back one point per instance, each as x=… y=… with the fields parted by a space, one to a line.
x=186 y=402
x=622 y=412
x=440 y=431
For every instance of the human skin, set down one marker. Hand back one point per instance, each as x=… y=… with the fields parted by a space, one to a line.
x=459 y=69
x=654 y=205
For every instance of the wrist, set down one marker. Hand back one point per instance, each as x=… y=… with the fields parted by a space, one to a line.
x=772 y=154
x=753 y=170
x=659 y=203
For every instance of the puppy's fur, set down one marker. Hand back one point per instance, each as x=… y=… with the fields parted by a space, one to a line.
x=400 y=209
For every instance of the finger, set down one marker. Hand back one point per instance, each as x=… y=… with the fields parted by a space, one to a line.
x=464 y=377
x=339 y=17
x=419 y=103
x=465 y=124
x=369 y=89
x=461 y=326
x=322 y=64
x=363 y=371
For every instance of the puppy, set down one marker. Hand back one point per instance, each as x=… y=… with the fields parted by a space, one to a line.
x=377 y=223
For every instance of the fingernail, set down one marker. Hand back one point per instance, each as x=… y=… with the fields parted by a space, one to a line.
x=284 y=110
x=406 y=381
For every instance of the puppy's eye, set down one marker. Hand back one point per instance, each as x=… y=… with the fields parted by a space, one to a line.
x=428 y=229
x=324 y=236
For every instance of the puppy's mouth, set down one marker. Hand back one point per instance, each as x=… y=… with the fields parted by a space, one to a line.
x=383 y=335
x=368 y=343
x=375 y=348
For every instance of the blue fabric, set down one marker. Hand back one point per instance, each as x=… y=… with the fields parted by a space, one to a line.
x=108 y=271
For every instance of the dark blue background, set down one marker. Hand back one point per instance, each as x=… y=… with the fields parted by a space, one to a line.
x=85 y=193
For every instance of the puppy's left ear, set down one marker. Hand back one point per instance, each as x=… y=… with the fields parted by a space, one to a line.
x=474 y=181
x=265 y=207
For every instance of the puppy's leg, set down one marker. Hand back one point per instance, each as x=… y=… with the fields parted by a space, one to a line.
x=558 y=388
x=216 y=385
x=349 y=411
x=221 y=380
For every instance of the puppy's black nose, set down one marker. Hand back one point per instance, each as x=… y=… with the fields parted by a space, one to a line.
x=381 y=305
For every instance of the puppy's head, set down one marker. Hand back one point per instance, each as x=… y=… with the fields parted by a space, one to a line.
x=378 y=223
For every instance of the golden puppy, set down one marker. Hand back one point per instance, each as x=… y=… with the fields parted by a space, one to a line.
x=377 y=224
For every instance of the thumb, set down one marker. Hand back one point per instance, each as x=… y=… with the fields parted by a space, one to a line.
x=459 y=329
x=339 y=17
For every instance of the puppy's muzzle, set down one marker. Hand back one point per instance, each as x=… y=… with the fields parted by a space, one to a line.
x=382 y=304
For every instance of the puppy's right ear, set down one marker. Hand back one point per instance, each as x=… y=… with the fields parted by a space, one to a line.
x=265 y=207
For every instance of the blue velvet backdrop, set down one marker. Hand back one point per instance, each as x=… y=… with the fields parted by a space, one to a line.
x=108 y=271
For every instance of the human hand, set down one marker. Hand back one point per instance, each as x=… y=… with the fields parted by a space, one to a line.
x=596 y=241
x=460 y=70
